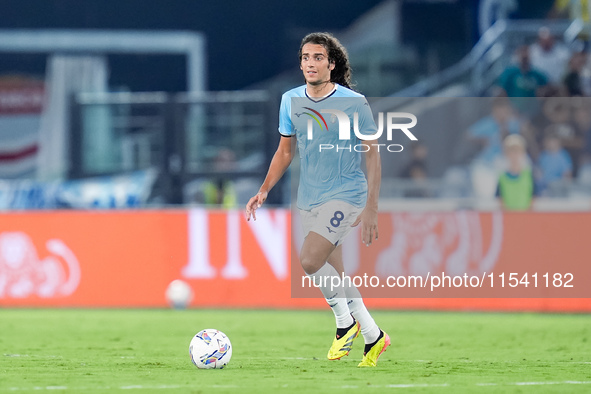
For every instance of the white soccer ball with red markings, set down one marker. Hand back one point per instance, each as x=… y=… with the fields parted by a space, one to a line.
x=210 y=349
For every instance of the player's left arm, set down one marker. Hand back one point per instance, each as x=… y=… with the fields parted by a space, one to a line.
x=369 y=216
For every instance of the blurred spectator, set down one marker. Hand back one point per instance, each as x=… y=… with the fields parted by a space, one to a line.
x=516 y=187
x=555 y=112
x=522 y=80
x=416 y=171
x=562 y=117
x=573 y=80
x=417 y=166
x=220 y=192
x=574 y=138
x=554 y=163
x=218 y=189
x=582 y=122
x=549 y=57
x=489 y=131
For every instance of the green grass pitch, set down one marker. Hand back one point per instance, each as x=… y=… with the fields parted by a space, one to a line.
x=81 y=350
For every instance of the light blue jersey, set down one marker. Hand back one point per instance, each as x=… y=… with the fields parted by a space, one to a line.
x=327 y=173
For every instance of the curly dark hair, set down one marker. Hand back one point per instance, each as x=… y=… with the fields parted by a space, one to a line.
x=337 y=54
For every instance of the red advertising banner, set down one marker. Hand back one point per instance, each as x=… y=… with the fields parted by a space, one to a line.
x=128 y=258
x=467 y=254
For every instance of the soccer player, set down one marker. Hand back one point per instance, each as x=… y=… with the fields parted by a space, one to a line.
x=333 y=194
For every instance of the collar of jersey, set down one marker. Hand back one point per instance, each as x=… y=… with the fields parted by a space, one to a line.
x=321 y=98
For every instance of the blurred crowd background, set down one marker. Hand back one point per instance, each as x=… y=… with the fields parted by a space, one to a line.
x=119 y=104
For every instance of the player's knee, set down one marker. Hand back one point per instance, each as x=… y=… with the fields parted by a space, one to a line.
x=310 y=265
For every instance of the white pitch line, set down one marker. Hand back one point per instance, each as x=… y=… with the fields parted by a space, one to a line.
x=404 y=386
x=543 y=383
x=140 y=387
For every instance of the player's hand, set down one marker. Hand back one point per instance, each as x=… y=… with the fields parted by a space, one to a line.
x=369 y=225
x=254 y=204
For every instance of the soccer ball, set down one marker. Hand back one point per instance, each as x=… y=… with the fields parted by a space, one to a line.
x=179 y=294
x=210 y=349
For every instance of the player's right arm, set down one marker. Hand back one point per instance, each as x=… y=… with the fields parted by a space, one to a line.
x=281 y=160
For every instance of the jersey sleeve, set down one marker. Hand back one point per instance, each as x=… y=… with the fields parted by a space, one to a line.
x=285 y=125
x=367 y=126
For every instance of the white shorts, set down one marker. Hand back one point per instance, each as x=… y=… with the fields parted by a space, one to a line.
x=332 y=220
